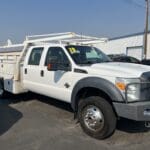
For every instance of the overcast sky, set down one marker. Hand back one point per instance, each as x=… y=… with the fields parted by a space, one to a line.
x=102 y=18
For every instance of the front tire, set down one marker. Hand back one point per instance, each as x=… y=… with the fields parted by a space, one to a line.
x=96 y=117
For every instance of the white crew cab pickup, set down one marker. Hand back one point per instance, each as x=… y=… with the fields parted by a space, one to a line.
x=65 y=66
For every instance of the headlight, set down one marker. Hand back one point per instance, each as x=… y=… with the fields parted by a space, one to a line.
x=129 y=87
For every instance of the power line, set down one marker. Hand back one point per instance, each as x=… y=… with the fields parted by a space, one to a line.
x=134 y=2
x=137 y=3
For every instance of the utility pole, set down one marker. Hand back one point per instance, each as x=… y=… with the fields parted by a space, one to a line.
x=146 y=28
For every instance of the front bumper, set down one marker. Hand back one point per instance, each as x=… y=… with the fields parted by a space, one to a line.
x=138 y=111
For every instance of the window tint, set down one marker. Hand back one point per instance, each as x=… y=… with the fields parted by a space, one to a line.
x=58 y=54
x=35 y=56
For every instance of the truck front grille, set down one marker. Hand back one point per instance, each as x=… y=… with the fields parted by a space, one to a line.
x=145 y=77
x=145 y=86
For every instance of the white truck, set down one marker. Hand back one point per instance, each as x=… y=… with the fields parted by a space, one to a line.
x=67 y=67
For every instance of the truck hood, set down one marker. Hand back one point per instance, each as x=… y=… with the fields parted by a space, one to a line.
x=114 y=69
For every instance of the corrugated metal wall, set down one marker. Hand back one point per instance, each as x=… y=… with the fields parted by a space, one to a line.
x=120 y=45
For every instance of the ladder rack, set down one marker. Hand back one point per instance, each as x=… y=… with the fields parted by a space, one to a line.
x=60 y=38
x=65 y=38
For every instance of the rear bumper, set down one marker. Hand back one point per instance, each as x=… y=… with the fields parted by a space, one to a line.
x=139 y=111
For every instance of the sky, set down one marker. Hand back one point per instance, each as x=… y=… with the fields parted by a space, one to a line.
x=101 y=18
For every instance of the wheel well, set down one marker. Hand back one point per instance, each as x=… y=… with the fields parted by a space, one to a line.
x=88 y=91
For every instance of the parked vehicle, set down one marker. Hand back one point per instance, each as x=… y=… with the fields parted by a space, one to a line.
x=124 y=58
x=145 y=62
x=66 y=67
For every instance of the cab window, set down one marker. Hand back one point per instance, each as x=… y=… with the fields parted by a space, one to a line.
x=58 y=54
x=35 y=56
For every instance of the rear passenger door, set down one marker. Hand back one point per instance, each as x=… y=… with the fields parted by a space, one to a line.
x=32 y=69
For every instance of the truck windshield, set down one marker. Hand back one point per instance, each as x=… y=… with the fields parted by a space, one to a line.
x=87 y=55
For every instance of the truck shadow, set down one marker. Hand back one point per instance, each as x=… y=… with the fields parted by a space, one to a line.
x=9 y=116
x=13 y=99
x=131 y=126
x=54 y=102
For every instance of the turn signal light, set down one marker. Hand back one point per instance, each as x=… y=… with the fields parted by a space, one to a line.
x=121 y=86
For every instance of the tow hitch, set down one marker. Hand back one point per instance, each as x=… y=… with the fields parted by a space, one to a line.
x=147 y=124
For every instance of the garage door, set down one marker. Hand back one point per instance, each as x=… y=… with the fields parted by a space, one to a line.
x=136 y=52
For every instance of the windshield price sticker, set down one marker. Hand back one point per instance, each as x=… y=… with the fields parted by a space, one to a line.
x=72 y=50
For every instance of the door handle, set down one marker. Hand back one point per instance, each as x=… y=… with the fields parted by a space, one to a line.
x=42 y=73
x=25 y=71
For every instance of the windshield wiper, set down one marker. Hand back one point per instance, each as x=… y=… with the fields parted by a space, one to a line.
x=87 y=62
x=107 y=61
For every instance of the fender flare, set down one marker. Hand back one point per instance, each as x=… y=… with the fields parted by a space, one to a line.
x=99 y=83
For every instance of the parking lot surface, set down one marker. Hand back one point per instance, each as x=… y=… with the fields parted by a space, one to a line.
x=33 y=122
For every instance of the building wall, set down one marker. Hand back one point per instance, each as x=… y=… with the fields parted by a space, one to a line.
x=120 y=45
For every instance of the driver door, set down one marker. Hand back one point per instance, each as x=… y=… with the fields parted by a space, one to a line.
x=56 y=83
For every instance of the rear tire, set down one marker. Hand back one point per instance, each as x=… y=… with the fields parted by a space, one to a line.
x=96 y=117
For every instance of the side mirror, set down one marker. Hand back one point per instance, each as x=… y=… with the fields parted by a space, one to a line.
x=54 y=65
x=58 y=66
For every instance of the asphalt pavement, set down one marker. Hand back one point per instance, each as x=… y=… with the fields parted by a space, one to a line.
x=34 y=122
